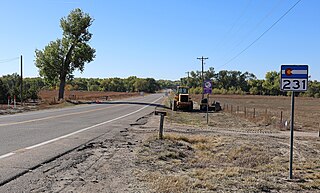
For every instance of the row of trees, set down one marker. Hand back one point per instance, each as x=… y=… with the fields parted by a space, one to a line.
x=130 y=84
x=236 y=82
x=224 y=82
x=10 y=85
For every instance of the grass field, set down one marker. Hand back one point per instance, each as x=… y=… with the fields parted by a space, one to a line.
x=307 y=110
x=229 y=163
x=232 y=153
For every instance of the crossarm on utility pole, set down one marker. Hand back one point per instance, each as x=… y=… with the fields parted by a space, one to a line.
x=202 y=62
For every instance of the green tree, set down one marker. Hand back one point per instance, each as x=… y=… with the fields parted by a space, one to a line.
x=271 y=84
x=313 y=89
x=129 y=83
x=141 y=85
x=31 y=87
x=80 y=84
x=3 y=92
x=60 y=58
x=256 y=87
x=234 y=79
x=12 y=83
x=152 y=85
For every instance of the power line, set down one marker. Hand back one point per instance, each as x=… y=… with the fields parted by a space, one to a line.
x=255 y=27
x=9 y=60
x=245 y=49
x=233 y=25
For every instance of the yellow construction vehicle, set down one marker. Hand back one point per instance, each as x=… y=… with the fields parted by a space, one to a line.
x=182 y=100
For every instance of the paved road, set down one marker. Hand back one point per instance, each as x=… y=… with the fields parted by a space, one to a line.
x=29 y=139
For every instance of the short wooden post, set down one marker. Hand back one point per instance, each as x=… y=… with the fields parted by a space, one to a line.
x=207 y=113
x=161 y=126
x=245 y=112
x=14 y=101
x=237 y=109
x=254 y=112
x=266 y=115
x=9 y=101
x=280 y=117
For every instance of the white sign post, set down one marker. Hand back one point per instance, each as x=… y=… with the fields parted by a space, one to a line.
x=293 y=78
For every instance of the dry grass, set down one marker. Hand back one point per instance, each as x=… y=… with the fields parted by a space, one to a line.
x=199 y=163
x=306 y=109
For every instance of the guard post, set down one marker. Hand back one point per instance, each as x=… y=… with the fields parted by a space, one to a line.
x=162 y=114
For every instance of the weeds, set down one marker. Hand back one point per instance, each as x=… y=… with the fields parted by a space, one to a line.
x=198 y=163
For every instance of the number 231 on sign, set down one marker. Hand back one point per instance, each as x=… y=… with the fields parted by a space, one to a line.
x=294 y=84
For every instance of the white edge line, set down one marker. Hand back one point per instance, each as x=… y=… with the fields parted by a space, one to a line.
x=79 y=131
x=6 y=155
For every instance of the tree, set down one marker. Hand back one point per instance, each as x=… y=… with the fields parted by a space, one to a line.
x=12 y=84
x=141 y=85
x=60 y=58
x=256 y=87
x=272 y=83
x=129 y=83
x=152 y=85
x=3 y=92
x=31 y=87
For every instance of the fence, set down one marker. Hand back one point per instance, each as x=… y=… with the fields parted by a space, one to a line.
x=266 y=116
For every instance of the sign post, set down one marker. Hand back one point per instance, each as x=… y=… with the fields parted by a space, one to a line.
x=207 y=88
x=293 y=78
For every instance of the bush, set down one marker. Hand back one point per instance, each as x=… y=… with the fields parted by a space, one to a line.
x=197 y=90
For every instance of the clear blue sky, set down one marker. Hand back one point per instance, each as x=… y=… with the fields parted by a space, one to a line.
x=163 y=38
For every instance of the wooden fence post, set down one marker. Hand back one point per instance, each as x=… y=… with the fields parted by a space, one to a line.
x=161 y=126
x=254 y=112
x=245 y=112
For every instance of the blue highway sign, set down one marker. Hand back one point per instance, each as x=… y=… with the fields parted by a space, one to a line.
x=207 y=87
x=294 y=78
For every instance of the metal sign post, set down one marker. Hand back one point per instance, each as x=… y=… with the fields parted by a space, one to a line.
x=293 y=78
x=291 y=135
x=207 y=88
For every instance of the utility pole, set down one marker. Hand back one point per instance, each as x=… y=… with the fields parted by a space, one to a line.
x=21 y=81
x=202 y=62
x=188 y=78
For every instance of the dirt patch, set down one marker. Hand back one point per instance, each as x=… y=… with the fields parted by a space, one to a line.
x=51 y=95
x=49 y=100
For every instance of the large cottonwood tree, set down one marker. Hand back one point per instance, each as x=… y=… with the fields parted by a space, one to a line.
x=60 y=58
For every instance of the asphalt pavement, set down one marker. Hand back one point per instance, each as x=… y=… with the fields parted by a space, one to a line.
x=30 y=139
